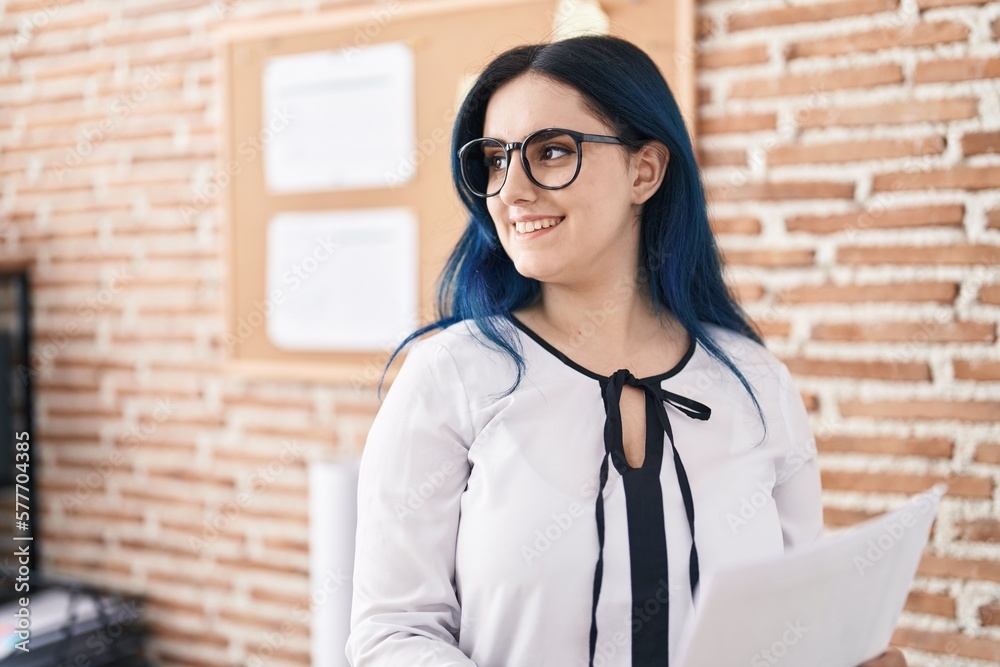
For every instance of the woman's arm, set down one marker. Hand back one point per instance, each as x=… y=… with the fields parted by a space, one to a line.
x=797 y=490
x=413 y=472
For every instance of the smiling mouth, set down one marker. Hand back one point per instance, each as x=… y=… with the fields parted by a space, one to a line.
x=535 y=225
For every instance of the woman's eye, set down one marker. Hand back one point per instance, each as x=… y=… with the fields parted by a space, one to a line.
x=496 y=162
x=553 y=151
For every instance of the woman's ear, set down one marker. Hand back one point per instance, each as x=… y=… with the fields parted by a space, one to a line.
x=650 y=165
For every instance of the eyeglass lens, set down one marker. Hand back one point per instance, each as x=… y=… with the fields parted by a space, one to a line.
x=552 y=162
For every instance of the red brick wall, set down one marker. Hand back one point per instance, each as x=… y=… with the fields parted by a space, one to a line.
x=852 y=151
x=850 y=148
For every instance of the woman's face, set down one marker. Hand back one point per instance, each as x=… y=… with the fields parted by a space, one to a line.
x=597 y=213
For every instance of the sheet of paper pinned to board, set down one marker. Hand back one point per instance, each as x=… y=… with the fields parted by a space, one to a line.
x=343 y=280
x=833 y=603
x=352 y=119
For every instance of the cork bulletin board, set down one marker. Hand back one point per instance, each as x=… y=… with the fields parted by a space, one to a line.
x=450 y=41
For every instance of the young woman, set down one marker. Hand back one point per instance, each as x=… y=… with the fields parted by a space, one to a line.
x=596 y=423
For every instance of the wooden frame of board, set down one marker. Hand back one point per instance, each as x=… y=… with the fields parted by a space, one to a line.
x=448 y=42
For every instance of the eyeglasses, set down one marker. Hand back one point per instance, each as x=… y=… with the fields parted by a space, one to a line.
x=550 y=157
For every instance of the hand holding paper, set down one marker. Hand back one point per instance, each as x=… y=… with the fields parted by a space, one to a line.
x=834 y=603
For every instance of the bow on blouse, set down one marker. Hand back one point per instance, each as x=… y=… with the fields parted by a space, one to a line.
x=644 y=500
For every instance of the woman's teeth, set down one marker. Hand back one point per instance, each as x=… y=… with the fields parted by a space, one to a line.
x=534 y=225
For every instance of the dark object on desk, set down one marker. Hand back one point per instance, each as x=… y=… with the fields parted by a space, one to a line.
x=74 y=625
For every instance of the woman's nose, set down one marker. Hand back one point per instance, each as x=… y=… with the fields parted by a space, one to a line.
x=518 y=187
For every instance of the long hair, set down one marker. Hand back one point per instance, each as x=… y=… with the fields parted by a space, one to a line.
x=622 y=86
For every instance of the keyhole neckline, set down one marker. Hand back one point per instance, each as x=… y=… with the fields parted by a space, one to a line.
x=677 y=368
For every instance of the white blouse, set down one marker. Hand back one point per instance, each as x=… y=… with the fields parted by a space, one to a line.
x=485 y=536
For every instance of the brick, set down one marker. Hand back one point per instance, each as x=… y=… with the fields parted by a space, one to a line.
x=854 y=151
x=780 y=190
x=996 y=28
x=74 y=541
x=279 y=597
x=964 y=486
x=213 y=24
x=981 y=370
x=722 y=157
x=145 y=36
x=960 y=69
x=172 y=658
x=94 y=511
x=892 y=113
x=743 y=225
x=152 y=497
x=942 y=215
x=910 y=292
x=201 y=479
x=887 y=445
x=287 y=544
x=989 y=614
x=987 y=255
x=255 y=620
x=747 y=292
x=261 y=566
x=977 y=143
x=905 y=332
x=60 y=21
x=807 y=13
x=159 y=9
x=705 y=95
x=784 y=257
x=923 y=410
x=189 y=55
x=933 y=4
x=704 y=27
x=990 y=295
x=753 y=54
x=82 y=566
x=988 y=453
x=838 y=517
x=952 y=178
x=16 y=6
x=134 y=548
x=950 y=643
x=921 y=34
x=978 y=530
x=816 y=82
x=234 y=459
x=741 y=123
x=173 y=605
x=939 y=604
x=198 y=578
x=774 y=328
x=993 y=219
x=76 y=69
x=201 y=637
x=874 y=370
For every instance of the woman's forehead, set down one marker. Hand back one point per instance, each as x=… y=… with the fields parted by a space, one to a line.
x=531 y=102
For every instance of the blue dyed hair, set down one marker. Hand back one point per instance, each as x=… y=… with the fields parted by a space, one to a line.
x=623 y=87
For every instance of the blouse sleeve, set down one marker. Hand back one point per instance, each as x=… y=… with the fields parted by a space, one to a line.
x=413 y=472
x=797 y=489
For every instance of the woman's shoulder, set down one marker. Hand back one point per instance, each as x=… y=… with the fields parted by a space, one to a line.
x=751 y=357
x=463 y=341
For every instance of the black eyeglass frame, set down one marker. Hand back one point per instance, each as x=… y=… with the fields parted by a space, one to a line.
x=578 y=138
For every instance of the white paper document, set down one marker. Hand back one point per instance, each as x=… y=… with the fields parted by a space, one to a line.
x=342 y=280
x=352 y=116
x=834 y=603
